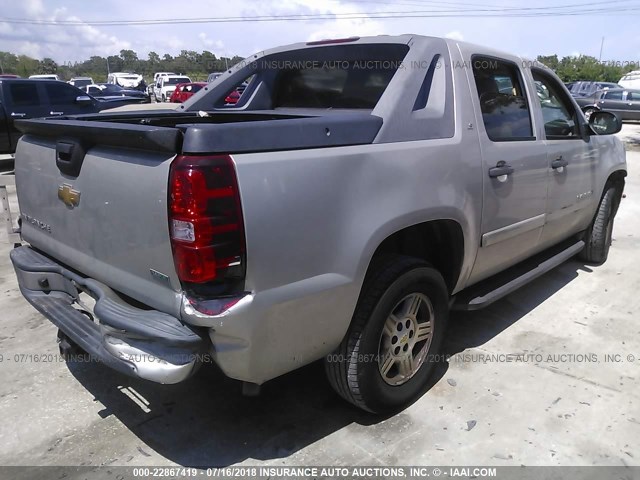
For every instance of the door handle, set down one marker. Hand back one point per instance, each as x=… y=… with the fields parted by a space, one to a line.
x=559 y=163
x=630 y=103
x=56 y=113
x=20 y=115
x=500 y=171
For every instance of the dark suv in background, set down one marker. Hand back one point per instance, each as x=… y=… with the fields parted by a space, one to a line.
x=583 y=88
x=25 y=98
x=624 y=102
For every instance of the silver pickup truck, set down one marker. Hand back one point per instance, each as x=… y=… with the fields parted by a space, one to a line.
x=358 y=190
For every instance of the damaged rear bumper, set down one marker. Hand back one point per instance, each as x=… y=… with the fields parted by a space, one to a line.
x=142 y=343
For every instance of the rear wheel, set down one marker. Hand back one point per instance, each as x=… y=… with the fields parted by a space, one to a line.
x=599 y=234
x=388 y=354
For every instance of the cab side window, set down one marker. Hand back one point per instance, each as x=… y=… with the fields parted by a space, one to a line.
x=559 y=116
x=24 y=94
x=503 y=102
x=61 y=94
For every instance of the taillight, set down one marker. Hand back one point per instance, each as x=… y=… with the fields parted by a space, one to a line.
x=205 y=218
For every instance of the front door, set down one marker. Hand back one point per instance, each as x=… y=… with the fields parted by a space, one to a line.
x=515 y=164
x=572 y=161
x=63 y=100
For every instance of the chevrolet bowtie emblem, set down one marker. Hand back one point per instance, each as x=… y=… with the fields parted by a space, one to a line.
x=68 y=195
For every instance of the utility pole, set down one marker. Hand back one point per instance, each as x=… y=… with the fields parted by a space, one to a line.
x=601 y=45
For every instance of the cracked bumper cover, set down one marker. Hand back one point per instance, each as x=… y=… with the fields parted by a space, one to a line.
x=142 y=343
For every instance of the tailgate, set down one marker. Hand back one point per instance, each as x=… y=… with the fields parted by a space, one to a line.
x=110 y=221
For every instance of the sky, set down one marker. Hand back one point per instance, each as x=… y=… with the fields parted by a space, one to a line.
x=553 y=33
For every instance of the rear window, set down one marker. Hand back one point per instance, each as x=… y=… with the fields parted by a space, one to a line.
x=177 y=80
x=335 y=84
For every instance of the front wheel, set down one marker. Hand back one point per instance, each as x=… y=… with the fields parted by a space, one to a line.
x=599 y=234
x=390 y=350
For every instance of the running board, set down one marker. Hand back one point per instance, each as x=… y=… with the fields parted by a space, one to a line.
x=482 y=296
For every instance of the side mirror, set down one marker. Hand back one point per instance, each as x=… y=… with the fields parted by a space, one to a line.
x=83 y=100
x=604 y=123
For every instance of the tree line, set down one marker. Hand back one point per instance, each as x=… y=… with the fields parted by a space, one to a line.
x=199 y=65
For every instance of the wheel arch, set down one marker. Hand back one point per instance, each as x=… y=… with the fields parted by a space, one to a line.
x=438 y=242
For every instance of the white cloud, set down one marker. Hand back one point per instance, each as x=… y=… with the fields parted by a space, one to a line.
x=455 y=35
x=210 y=43
x=33 y=7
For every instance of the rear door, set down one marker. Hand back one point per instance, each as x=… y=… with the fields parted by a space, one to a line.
x=62 y=100
x=631 y=105
x=515 y=164
x=611 y=101
x=571 y=161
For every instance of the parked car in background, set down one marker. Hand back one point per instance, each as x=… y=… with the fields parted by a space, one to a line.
x=213 y=76
x=80 y=81
x=166 y=84
x=232 y=98
x=103 y=91
x=185 y=91
x=155 y=80
x=585 y=88
x=631 y=80
x=8 y=75
x=33 y=98
x=126 y=80
x=623 y=102
x=44 y=77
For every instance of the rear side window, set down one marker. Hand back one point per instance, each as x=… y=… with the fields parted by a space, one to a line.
x=613 y=95
x=505 y=111
x=24 y=94
x=61 y=93
x=633 y=96
x=345 y=84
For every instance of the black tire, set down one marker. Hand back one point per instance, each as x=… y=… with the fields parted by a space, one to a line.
x=598 y=236
x=353 y=369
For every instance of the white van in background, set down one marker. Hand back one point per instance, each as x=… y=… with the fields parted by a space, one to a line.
x=630 y=80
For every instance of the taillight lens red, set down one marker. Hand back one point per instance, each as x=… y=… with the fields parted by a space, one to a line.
x=205 y=217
